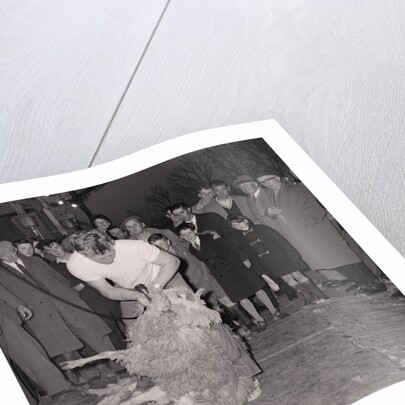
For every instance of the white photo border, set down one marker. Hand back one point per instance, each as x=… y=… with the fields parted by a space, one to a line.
x=331 y=197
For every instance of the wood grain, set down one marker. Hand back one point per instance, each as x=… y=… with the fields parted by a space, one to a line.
x=64 y=66
x=330 y=72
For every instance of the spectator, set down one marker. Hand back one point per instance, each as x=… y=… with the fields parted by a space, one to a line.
x=208 y=222
x=101 y=223
x=206 y=195
x=117 y=233
x=226 y=204
x=299 y=217
x=273 y=255
x=24 y=351
x=198 y=276
x=138 y=231
x=229 y=265
x=53 y=321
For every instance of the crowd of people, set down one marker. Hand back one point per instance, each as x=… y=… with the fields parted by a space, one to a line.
x=65 y=299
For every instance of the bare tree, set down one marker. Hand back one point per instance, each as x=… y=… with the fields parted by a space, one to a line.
x=156 y=202
x=188 y=174
x=145 y=218
x=195 y=169
x=246 y=157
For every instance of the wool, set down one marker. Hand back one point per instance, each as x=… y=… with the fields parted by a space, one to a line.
x=173 y=343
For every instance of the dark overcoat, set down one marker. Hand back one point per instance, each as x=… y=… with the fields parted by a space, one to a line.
x=98 y=303
x=47 y=324
x=213 y=222
x=225 y=262
x=24 y=351
x=269 y=252
x=196 y=273
x=304 y=223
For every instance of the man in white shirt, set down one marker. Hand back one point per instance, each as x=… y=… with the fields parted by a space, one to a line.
x=126 y=262
x=129 y=263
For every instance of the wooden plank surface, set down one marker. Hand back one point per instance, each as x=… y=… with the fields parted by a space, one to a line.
x=330 y=72
x=64 y=65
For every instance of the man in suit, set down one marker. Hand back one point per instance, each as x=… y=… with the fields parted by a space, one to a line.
x=226 y=204
x=204 y=223
x=21 y=349
x=172 y=221
x=53 y=321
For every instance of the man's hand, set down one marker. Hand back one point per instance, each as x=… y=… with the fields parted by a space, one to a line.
x=79 y=287
x=24 y=312
x=215 y=235
x=137 y=309
x=141 y=299
x=38 y=252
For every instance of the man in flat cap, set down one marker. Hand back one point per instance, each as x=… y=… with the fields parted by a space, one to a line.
x=258 y=200
x=293 y=211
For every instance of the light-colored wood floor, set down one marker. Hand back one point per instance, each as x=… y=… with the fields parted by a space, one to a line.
x=82 y=83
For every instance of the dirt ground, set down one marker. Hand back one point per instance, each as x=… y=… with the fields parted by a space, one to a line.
x=334 y=352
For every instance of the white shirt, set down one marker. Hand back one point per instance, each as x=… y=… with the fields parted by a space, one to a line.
x=14 y=265
x=193 y=221
x=197 y=242
x=132 y=265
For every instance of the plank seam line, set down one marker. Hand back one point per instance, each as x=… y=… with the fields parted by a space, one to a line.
x=128 y=85
x=295 y=344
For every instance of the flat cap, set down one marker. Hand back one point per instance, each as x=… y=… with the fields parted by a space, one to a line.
x=243 y=179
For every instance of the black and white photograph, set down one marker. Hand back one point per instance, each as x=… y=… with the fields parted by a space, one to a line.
x=215 y=277
x=202 y=202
